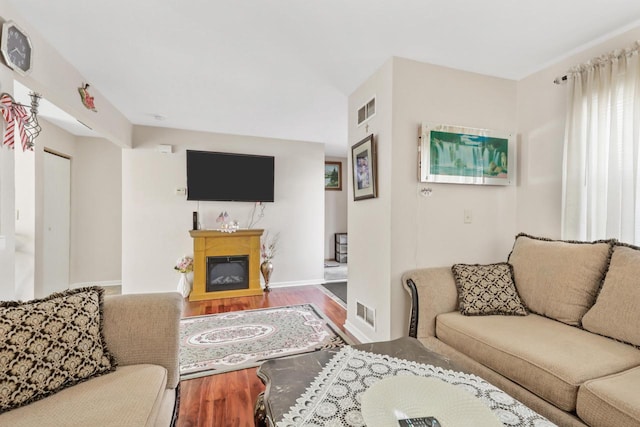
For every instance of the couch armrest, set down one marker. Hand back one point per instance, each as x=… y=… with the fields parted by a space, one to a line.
x=433 y=291
x=144 y=328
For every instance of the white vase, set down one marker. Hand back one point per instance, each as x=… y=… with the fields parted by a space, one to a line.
x=184 y=285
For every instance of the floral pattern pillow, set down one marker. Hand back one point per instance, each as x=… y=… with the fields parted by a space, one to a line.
x=487 y=289
x=49 y=344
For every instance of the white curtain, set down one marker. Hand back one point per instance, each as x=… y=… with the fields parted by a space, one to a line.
x=601 y=192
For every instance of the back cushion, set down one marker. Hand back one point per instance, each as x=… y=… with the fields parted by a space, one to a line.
x=559 y=279
x=615 y=313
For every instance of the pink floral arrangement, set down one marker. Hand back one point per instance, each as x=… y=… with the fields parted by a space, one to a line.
x=184 y=264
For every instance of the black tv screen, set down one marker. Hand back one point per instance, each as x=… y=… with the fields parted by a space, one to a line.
x=229 y=177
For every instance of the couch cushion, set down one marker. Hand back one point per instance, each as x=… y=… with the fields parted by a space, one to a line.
x=130 y=396
x=612 y=400
x=615 y=313
x=559 y=279
x=49 y=344
x=487 y=289
x=546 y=357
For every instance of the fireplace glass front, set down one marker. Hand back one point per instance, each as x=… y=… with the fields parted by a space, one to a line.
x=226 y=273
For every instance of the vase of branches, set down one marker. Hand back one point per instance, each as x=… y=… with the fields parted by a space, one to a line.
x=267 y=252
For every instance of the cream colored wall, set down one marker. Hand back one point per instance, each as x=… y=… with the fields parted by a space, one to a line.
x=96 y=207
x=409 y=231
x=541 y=113
x=96 y=213
x=335 y=211
x=156 y=221
x=369 y=220
x=57 y=81
x=25 y=223
x=29 y=187
x=7 y=205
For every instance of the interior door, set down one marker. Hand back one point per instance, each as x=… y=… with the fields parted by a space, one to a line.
x=57 y=223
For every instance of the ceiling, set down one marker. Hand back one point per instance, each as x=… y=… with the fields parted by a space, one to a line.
x=285 y=68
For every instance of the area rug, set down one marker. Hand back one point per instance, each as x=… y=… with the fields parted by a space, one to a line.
x=226 y=342
x=338 y=289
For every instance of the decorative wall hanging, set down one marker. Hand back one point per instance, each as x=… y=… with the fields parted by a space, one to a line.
x=363 y=159
x=27 y=124
x=462 y=155
x=87 y=99
x=333 y=176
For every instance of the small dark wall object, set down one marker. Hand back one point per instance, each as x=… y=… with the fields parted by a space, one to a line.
x=195 y=220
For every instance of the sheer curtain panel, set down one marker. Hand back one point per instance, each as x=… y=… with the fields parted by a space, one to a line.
x=601 y=149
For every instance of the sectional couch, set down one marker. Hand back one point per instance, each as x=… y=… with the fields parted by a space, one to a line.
x=80 y=359
x=557 y=326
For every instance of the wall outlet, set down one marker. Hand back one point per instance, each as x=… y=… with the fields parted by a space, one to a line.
x=468 y=216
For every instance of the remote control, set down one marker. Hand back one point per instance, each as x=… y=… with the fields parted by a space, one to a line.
x=419 y=422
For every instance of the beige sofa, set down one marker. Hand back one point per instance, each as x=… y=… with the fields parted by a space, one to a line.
x=574 y=358
x=141 y=333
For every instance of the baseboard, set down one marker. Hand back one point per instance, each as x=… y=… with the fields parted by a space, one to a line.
x=356 y=332
x=296 y=283
x=334 y=281
x=97 y=283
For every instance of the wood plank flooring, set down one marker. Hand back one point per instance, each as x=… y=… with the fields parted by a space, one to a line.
x=227 y=399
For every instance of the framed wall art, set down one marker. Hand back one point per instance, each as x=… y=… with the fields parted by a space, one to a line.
x=461 y=155
x=333 y=176
x=363 y=160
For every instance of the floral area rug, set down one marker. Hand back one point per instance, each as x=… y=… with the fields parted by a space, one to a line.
x=242 y=339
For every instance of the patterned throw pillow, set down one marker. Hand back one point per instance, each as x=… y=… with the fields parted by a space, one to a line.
x=50 y=344
x=487 y=289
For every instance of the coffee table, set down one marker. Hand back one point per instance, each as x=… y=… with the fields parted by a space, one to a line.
x=287 y=378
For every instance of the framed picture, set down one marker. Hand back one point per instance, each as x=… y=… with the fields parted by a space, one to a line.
x=460 y=155
x=333 y=176
x=363 y=160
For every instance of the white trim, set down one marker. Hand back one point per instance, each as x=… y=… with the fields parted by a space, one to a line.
x=335 y=280
x=296 y=283
x=357 y=333
x=97 y=283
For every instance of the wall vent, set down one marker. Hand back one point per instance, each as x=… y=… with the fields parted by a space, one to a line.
x=367 y=314
x=367 y=111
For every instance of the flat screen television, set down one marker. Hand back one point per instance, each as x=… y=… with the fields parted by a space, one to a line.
x=214 y=176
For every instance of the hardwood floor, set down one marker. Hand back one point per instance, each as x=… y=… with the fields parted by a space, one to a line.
x=227 y=399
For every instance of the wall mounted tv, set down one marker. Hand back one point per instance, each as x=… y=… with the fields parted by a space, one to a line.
x=232 y=177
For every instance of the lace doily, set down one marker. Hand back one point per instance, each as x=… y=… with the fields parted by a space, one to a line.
x=334 y=396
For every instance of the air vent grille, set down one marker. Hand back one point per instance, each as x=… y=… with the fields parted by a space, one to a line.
x=367 y=314
x=367 y=111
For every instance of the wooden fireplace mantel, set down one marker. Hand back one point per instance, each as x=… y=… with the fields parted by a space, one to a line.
x=214 y=243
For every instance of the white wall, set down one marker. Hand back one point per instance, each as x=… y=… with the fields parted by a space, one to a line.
x=156 y=221
x=335 y=210
x=25 y=223
x=29 y=187
x=57 y=81
x=7 y=204
x=96 y=213
x=369 y=220
x=409 y=231
x=541 y=114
